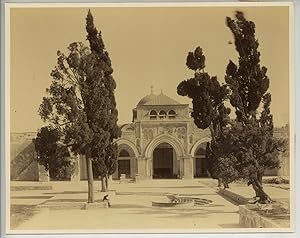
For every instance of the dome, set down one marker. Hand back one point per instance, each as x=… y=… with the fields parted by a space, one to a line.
x=147 y=99
x=160 y=99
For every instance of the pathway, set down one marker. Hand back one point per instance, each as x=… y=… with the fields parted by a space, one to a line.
x=132 y=209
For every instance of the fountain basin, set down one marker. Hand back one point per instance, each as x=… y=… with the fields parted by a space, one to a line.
x=178 y=202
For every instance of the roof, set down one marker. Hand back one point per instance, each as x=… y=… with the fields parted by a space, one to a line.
x=160 y=99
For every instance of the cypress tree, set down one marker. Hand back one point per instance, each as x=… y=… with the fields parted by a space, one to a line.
x=209 y=111
x=81 y=105
x=256 y=149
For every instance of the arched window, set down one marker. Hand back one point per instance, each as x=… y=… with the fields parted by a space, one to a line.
x=162 y=114
x=153 y=115
x=124 y=153
x=171 y=114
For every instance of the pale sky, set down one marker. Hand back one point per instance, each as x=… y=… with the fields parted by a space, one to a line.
x=147 y=46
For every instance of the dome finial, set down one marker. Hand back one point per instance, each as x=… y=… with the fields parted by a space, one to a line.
x=152 y=89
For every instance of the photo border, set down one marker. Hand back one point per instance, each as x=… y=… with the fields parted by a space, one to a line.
x=5 y=75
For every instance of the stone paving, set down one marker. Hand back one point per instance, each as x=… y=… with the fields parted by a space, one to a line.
x=131 y=208
x=276 y=192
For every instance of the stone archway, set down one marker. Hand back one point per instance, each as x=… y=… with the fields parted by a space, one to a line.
x=165 y=164
x=198 y=151
x=197 y=143
x=128 y=143
x=127 y=156
x=171 y=140
x=172 y=147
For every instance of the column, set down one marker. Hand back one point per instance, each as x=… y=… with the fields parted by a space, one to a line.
x=75 y=177
x=43 y=174
x=132 y=167
x=188 y=167
x=181 y=168
x=149 y=168
x=141 y=168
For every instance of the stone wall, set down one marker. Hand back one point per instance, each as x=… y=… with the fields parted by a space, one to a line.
x=251 y=219
x=23 y=165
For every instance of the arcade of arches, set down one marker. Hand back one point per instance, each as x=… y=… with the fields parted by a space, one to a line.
x=161 y=142
x=164 y=163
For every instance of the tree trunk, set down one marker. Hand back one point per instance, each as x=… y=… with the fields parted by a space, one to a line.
x=225 y=184
x=259 y=191
x=90 y=177
x=106 y=180
x=260 y=178
x=103 y=184
x=219 y=182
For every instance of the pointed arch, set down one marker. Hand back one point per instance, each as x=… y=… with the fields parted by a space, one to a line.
x=197 y=143
x=165 y=138
x=122 y=141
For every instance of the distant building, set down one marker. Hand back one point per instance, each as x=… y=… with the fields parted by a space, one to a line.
x=161 y=142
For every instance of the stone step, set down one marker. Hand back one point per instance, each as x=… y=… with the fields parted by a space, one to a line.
x=73 y=205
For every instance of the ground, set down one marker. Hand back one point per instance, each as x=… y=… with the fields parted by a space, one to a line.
x=131 y=207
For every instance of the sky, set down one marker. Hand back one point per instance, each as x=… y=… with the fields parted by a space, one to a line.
x=147 y=46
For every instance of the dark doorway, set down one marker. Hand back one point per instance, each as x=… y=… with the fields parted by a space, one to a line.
x=201 y=168
x=163 y=161
x=124 y=167
x=201 y=162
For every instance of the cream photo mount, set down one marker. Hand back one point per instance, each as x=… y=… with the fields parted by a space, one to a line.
x=17 y=121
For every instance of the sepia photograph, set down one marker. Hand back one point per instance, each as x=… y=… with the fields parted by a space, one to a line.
x=149 y=118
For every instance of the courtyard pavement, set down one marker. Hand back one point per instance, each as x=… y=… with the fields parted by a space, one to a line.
x=278 y=192
x=131 y=208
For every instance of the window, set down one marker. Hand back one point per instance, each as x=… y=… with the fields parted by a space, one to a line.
x=162 y=114
x=153 y=115
x=124 y=153
x=171 y=114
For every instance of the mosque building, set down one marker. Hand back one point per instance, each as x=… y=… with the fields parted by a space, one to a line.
x=161 y=142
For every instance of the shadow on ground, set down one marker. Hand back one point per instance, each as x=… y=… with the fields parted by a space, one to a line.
x=179 y=213
x=21 y=213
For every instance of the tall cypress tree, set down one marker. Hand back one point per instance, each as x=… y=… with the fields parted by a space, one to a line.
x=81 y=105
x=104 y=156
x=209 y=111
x=255 y=147
x=245 y=147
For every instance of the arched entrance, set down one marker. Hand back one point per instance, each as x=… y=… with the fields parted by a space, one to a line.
x=165 y=164
x=200 y=162
x=178 y=153
x=126 y=164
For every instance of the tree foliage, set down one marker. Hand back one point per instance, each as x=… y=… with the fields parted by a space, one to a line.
x=257 y=148
x=247 y=81
x=81 y=105
x=245 y=146
x=54 y=157
x=208 y=97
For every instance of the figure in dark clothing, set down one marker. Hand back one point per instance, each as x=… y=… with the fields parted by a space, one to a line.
x=105 y=198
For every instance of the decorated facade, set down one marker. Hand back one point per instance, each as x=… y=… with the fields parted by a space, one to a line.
x=161 y=142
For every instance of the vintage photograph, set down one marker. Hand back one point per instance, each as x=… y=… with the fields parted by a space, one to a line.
x=131 y=118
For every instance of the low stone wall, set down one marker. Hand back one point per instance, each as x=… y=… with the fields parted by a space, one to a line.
x=251 y=219
x=30 y=187
x=233 y=196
